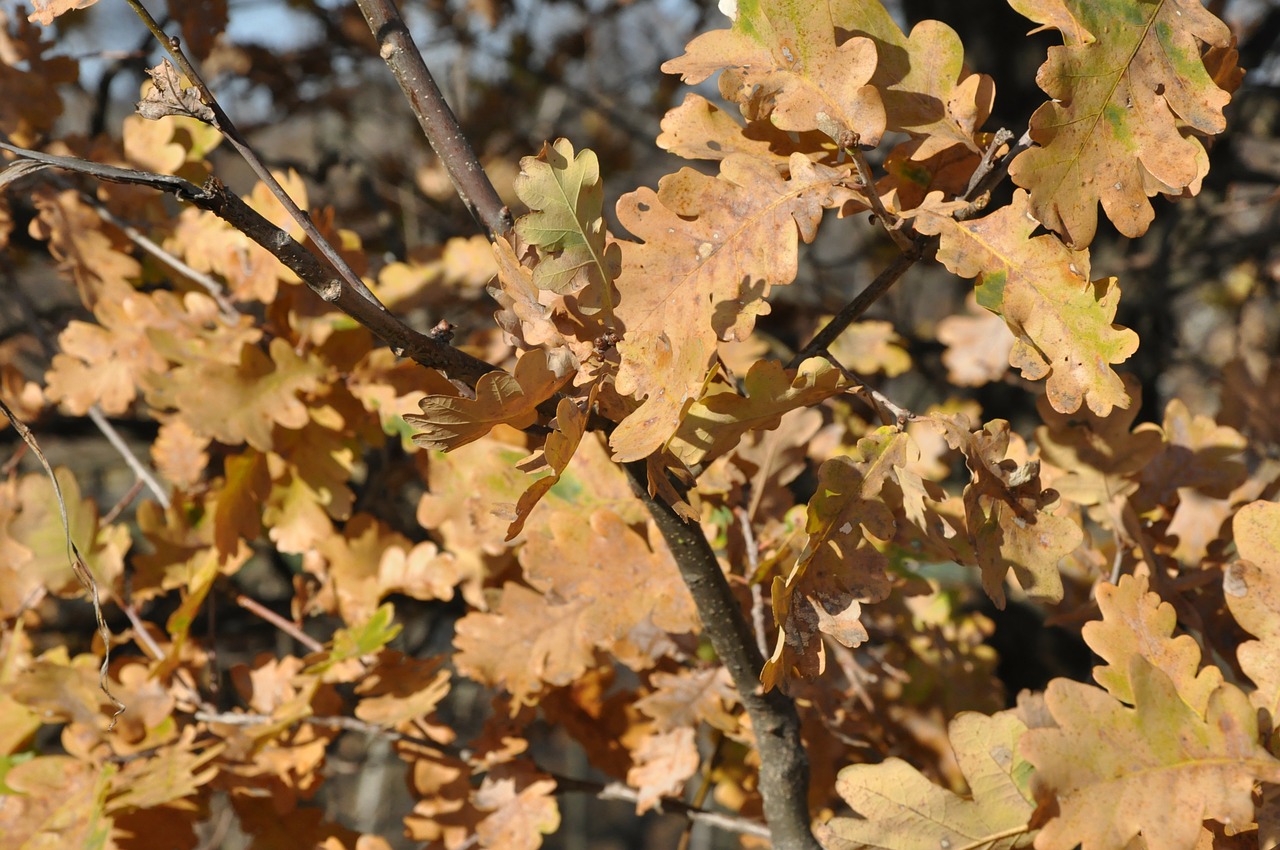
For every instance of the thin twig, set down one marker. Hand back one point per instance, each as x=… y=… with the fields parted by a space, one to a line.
x=125 y=500
x=139 y=468
x=216 y=290
x=988 y=173
x=222 y=122
x=95 y=412
x=891 y=223
x=279 y=622
x=618 y=791
x=397 y=49
x=784 y=764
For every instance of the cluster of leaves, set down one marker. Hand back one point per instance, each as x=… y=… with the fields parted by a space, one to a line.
x=634 y=355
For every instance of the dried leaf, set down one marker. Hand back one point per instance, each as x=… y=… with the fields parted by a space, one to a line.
x=1252 y=590
x=712 y=250
x=1041 y=289
x=784 y=64
x=903 y=810
x=448 y=422
x=1129 y=90
x=715 y=424
x=170 y=97
x=1157 y=768
x=1134 y=623
x=837 y=571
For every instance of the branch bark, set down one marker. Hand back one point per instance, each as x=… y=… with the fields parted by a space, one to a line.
x=438 y=123
x=215 y=198
x=784 y=764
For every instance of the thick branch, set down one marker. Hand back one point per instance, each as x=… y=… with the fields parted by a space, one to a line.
x=784 y=765
x=396 y=47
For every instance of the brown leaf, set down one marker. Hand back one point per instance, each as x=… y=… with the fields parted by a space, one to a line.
x=1129 y=90
x=1041 y=288
x=712 y=250
x=598 y=585
x=448 y=422
x=784 y=64
x=715 y=423
x=1251 y=587
x=170 y=97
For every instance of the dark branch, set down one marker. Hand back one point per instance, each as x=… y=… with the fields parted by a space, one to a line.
x=784 y=765
x=215 y=198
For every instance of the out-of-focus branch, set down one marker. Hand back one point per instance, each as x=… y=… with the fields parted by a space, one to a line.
x=397 y=49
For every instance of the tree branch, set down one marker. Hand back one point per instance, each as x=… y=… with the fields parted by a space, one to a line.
x=988 y=173
x=784 y=765
x=397 y=49
x=215 y=198
x=216 y=117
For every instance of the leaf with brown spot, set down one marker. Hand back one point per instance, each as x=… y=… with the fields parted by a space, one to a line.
x=1130 y=93
x=1041 y=288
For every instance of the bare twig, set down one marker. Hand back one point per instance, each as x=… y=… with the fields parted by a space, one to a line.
x=216 y=290
x=74 y=558
x=696 y=814
x=253 y=605
x=602 y=791
x=784 y=764
x=139 y=468
x=989 y=172
x=891 y=223
x=219 y=120
x=397 y=49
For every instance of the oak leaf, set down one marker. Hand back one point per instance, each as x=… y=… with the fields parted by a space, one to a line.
x=242 y=402
x=400 y=689
x=1009 y=516
x=838 y=570
x=698 y=129
x=866 y=348
x=1251 y=587
x=522 y=808
x=978 y=346
x=926 y=89
x=715 y=423
x=78 y=239
x=663 y=762
x=1158 y=768
x=1136 y=622
x=448 y=422
x=566 y=197
x=554 y=456
x=598 y=585
x=1129 y=90
x=902 y=810
x=1040 y=287
x=784 y=64
x=712 y=250
x=689 y=697
x=1099 y=456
